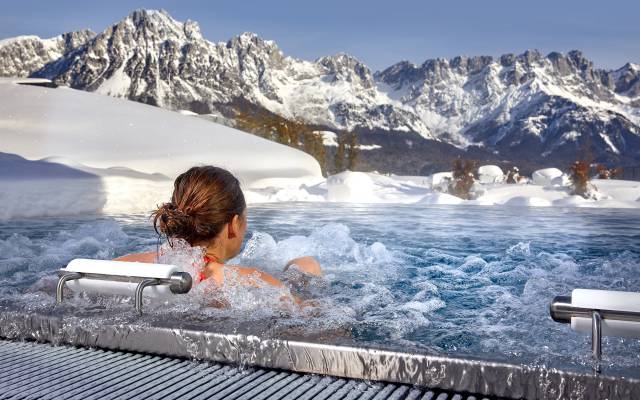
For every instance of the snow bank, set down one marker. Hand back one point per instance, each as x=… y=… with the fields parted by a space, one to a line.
x=51 y=197
x=101 y=132
x=43 y=188
x=114 y=156
x=490 y=174
x=70 y=191
x=354 y=187
x=524 y=201
x=440 y=198
x=361 y=187
x=544 y=177
x=439 y=177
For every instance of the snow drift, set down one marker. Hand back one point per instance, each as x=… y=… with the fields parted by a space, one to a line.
x=101 y=131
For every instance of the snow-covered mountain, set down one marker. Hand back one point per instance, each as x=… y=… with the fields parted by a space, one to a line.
x=23 y=55
x=543 y=109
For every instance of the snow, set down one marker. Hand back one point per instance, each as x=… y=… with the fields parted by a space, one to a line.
x=5 y=80
x=51 y=197
x=439 y=177
x=118 y=84
x=490 y=174
x=440 y=198
x=86 y=190
x=101 y=131
x=546 y=82
x=369 y=146
x=83 y=153
x=329 y=138
x=7 y=41
x=353 y=187
x=544 y=177
x=361 y=187
x=607 y=140
x=524 y=201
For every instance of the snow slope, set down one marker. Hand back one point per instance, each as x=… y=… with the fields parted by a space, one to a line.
x=361 y=187
x=87 y=153
x=103 y=132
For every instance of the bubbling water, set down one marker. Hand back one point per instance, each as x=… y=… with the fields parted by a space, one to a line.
x=442 y=280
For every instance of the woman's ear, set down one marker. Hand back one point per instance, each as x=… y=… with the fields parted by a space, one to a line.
x=234 y=227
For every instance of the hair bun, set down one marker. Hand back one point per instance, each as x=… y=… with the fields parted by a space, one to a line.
x=173 y=221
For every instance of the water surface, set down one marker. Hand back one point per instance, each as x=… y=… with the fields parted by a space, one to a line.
x=466 y=281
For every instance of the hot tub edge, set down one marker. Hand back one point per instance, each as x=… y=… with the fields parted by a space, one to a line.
x=446 y=373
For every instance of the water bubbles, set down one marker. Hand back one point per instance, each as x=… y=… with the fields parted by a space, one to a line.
x=519 y=250
x=260 y=245
x=457 y=282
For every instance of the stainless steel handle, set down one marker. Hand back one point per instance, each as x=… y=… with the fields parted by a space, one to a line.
x=178 y=282
x=561 y=310
x=64 y=278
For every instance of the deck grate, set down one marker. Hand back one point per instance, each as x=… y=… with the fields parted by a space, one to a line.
x=42 y=371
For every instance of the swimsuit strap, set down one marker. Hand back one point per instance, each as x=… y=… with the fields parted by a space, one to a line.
x=207 y=259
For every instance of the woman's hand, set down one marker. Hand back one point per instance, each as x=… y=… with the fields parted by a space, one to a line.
x=306 y=264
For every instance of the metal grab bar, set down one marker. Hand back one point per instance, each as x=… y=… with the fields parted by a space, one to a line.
x=64 y=279
x=145 y=283
x=178 y=282
x=561 y=310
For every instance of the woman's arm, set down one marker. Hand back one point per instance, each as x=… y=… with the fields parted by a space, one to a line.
x=149 y=257
x=306 y=264
x=249 y=275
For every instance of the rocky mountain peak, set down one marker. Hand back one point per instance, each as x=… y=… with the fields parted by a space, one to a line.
x=345 y=67
x=399 y=73
x=250 y=44
x=72 y=40
x=627 y=80
x=22 y=56
x=154 y=25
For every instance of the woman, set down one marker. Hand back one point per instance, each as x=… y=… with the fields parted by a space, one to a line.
x=208 y=209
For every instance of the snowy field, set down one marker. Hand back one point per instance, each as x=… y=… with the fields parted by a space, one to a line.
x=68 y=152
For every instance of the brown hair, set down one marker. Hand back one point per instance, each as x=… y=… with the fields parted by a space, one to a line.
x=204 y=199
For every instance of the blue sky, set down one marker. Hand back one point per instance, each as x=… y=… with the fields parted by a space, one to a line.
x=379 y=33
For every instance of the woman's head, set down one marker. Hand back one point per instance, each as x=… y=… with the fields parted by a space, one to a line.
x=207 y=201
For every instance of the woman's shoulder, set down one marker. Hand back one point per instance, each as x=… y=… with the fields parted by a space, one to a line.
x=249 y=272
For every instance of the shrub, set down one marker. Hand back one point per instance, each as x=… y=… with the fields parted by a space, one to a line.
x=602 y=172
x=579 y=175
x=513 y=176
x=352 y=156
x=463 y=178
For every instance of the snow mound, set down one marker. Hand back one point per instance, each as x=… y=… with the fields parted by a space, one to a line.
x=562 y=180
x=348 y=186
x=51 y=197
x=440 y=198
x=101 y=132
x=524 y=201
x=544 y=177
x=438 y=178
x=490 y=174
x=572 y=201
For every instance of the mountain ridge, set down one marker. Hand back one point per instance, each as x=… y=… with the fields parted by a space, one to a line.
x=543 y=108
